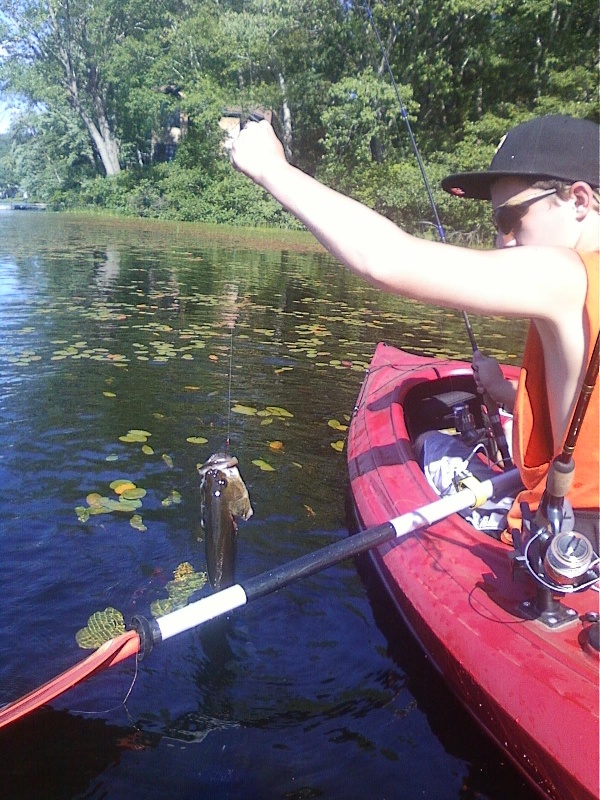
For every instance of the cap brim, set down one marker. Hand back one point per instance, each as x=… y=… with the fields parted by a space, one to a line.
x=474 y=185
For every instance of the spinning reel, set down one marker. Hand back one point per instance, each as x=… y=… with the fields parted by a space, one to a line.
x=560 y=559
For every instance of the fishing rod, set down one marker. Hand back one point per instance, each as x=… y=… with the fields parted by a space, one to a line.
x=560 y=560
x=490 y=404
x=560 y=474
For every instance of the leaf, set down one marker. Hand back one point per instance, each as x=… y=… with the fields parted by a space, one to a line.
x=239 y=409
x=173 y=499
x=121 y=484
x=276 y=445
x=263 y=465
x=185 y=582
x=336 y=425
x=168 y=460
x=83 y=513
x=147 y=450
x=196 y=440
x=109 y=394
x=135 y=436
x=101 y=627
x=136 y=522
x=278 y=412
x=135 y=493
x=339 y=446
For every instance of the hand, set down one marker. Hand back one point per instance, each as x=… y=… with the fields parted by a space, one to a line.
x=257 y=152
x=490 y=380
x=487 y=373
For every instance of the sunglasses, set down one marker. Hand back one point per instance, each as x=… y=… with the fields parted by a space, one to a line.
x=507 y=218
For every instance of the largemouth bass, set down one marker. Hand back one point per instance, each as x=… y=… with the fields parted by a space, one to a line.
x=224 y=498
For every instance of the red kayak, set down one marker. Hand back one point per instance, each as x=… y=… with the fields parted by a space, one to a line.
x=523 y=659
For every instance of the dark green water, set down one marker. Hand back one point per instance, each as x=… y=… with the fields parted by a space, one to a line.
x=317 y=691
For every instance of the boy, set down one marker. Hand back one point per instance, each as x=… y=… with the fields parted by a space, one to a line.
x=543 y=185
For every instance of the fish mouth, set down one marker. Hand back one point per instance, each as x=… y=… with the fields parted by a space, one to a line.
x=219 y=461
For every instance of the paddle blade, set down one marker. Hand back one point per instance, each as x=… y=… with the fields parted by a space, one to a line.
x=110 y=653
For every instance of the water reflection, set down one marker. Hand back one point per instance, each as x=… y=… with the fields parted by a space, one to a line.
x=106 y=270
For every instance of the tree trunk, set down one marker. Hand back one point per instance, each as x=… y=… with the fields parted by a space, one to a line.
x=104 y=142
x=96 y=122
x=286 y=119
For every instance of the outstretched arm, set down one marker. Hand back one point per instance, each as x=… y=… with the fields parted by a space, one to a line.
x=384 y=254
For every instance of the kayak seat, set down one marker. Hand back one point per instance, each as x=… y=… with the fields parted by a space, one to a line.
x=431 y=407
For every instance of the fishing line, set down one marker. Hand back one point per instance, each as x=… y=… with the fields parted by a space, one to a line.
x=409 y=130
x=490 y=404
x=229 y=389
x=408 y=126
x=120 y=705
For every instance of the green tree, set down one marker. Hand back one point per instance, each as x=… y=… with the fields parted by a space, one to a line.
x=86 y=54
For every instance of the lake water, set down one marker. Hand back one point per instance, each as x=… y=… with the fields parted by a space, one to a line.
x=317 y=691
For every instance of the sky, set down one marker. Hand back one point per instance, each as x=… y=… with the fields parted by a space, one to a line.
x=6 y=114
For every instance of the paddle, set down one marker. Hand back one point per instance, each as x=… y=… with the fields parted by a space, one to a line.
x=147 y=633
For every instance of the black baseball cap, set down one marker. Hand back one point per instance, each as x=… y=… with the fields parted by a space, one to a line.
x=555 y=146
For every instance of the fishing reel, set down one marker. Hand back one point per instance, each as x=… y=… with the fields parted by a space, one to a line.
x=560 y=559
x=563 y=562
x=471 y=434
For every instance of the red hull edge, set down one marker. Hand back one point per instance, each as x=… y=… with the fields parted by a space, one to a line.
x=534 y=690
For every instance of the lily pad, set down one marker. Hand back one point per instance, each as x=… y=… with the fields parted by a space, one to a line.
x=134 y=493
x=336 y=425
x=101 y=627
x=239 y=409
x=83 y=513
x=278 y=412
x=266 y=467
x=185 y=582
x=173 y=499
x=196 y=440
x=121 y=485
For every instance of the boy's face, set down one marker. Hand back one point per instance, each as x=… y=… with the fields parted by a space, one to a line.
x=542 y=219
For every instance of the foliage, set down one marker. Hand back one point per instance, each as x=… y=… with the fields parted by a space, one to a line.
x=100 y=82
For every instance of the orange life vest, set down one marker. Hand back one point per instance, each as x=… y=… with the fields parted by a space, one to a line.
x=533 y=448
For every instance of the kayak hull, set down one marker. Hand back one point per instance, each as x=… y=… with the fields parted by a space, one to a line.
x=532 y=688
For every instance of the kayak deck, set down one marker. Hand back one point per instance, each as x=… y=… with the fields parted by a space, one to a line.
x=534 y=689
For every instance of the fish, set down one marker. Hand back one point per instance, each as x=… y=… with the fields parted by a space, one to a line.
x=224 y=499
